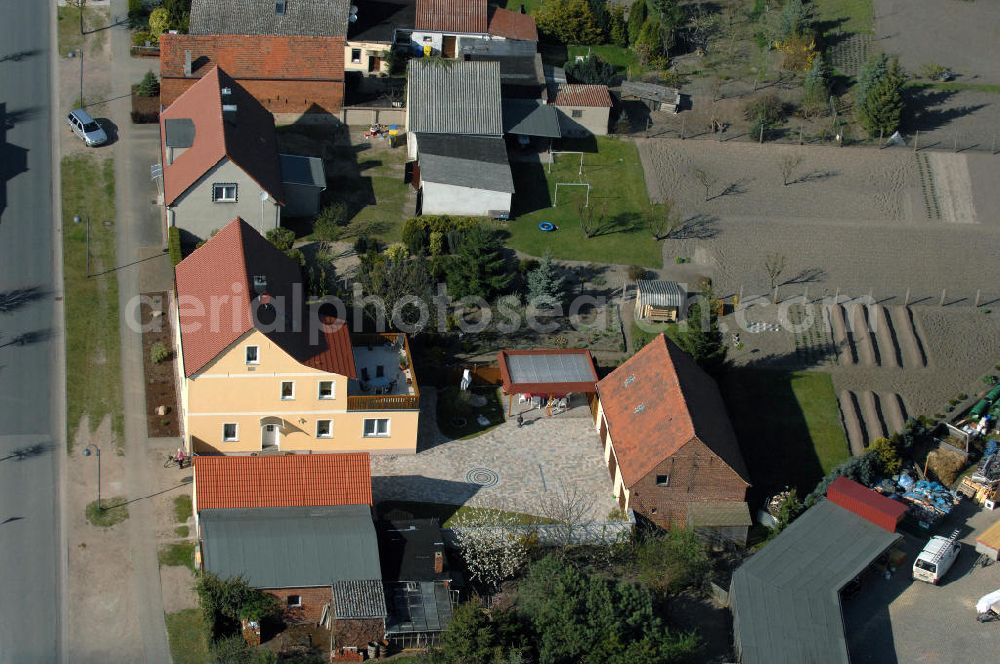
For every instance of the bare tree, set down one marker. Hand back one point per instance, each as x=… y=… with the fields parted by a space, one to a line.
x=570 y=510
x=774 y=265
x=591 y=218
x=788 y=164
x=706 y=179
x=492 y=544
x=664 y=219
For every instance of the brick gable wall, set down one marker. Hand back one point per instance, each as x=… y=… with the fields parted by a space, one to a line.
x=277 y=96
x=358 y=633
x=313 y=601
x=696 y=475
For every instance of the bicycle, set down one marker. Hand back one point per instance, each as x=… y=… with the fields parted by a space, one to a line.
x=172 y=461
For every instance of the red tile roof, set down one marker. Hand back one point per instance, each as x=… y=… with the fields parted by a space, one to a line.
x=451 y=16
x=294 y=480
x=583 y=95
x=216 y=295
x=512 y=25
x=250 y=142
x=657 y=402
x=277 y=57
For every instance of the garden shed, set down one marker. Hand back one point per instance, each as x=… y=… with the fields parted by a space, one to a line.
x=304 y=181
x=655 y=97
x=547 y=373
x=660 y=301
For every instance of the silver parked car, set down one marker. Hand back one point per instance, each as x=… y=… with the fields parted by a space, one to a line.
x=86 y=128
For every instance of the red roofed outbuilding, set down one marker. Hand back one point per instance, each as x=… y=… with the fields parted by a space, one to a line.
x=584 y=109
x=670 y=448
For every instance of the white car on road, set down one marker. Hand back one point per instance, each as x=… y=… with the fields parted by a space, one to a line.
x=86 y=128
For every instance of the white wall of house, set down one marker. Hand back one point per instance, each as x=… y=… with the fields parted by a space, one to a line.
x=195 y=212
x=418 y=40
x=365 y=50
x=589 y=120
x=449 y=199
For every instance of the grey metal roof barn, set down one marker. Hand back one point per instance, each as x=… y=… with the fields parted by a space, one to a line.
x=786 y=598
x=291 y=547
x=318 y=18
x=661 y=293
x=478 y=162
x=454 y=97
x=530 y=117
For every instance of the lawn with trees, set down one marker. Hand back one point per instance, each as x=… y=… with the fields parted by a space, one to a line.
x=612 y=229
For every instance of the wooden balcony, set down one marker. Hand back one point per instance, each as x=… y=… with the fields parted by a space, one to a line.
x=383 y=402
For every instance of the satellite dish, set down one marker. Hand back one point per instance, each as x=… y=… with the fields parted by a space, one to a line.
x=353 y=18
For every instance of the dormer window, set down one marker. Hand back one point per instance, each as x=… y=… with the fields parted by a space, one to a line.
x=259 y=283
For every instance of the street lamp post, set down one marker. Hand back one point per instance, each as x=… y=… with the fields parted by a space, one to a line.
x=97 y=452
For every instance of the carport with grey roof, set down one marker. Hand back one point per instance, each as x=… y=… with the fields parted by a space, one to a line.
x=548 y=372
x=291 y=547
x=785 y=599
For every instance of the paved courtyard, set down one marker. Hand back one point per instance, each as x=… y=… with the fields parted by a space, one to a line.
x=506 y=467
x=899 y=621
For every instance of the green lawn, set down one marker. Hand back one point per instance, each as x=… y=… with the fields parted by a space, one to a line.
x=68 y=25
x=188 y=636
x=446 y=514
x=845 y=15
x=788 y=425
x=112 y=511
x=93 y=355
x=452 y=405
x=624 y=59
x=530 y=6
x=178 y=554
x=182 y=508
x=641 y=337
x=954 y=86
x=618 y=201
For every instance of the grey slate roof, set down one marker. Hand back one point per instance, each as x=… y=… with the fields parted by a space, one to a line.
x=317 y=18
x=420 y=607
x=454 y=97
x=296 y=169
x=359 y=599
x=661 y=293
x=291 y=547
x=785 y=599
x=651 y=91
x=530 y=117
x=477 y=162
x=555 y=368
x=179 y=132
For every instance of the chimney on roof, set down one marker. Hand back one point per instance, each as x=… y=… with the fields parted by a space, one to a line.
x=187 y=63
x=228 y=109
x=438 y=562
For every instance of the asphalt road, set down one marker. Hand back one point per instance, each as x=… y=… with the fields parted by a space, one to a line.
x=30 y=438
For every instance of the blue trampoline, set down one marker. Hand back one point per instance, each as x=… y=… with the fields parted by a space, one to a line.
x=546 y=226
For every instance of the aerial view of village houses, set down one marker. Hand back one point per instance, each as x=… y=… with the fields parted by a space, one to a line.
x=500 y=331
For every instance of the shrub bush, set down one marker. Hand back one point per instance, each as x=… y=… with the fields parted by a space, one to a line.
x=159 y=22
x=764 y=112
x=636 y=272
x=142 y=38
x=592 y=70
x=417 y=231
x=329 y=223
x=149 y=86
x=174 y=245
x=282 y=238
x=159 y=352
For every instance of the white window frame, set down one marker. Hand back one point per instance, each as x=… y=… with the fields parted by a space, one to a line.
x=246 y=354
x=281 y=390
x=333 y=390
x=222 y=187
x=236 y=432
x=375 y=433
x=361 y=54
x=329 y=433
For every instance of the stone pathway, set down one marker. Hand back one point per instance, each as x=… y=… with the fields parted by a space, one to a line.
x=506 y=467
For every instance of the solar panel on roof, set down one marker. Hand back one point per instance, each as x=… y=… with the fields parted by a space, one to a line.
x=557 y=368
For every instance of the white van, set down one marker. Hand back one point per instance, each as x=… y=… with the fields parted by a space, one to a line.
x=937 y=558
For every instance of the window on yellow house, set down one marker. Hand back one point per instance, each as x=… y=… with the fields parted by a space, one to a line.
x=376 y=428
x=230 y=432
x=324 y=428
x=326 y=389
x=287 y=390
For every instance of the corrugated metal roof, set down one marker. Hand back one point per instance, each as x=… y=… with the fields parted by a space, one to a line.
x=359 y=599
x=260 y=17
x=296 y=169
x=454 y=97
x=478 y=162
x=291 y=547
x=718 y=514
x=785 y=599
x=650 y=91
x=548 y=371
x=661 y=293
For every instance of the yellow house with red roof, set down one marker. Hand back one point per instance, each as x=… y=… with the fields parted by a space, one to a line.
x=264 y=372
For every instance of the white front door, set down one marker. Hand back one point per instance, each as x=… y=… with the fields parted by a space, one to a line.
x=269 y=436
